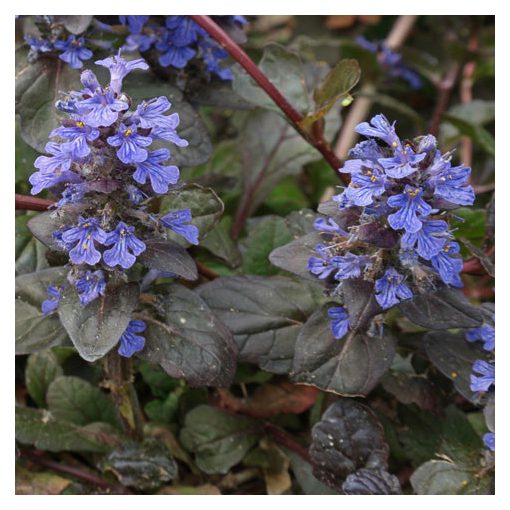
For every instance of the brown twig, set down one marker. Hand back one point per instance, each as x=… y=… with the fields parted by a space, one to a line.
x=205 y=271
x=281 y=437
x=466 y=96
x=263 y=81
x=72 y=471
x=444 y=88
x=27 y=203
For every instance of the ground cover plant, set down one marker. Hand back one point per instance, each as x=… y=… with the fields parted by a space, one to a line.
x=255 y=255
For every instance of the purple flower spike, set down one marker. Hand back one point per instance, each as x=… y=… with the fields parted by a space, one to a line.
x=74 y=51
x=90 y=286
x=410 y=204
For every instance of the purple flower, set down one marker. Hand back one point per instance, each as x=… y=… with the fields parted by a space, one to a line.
x=410 y=204
x=89 y=81
x=131 y=144
x=364 y=186
x=367 y=150
x=38 y=44
x=130 y=342
x=379 y=127
x=84 y=235
x=449 y=266
x=74 y=51
x=138 y=42
x=51 y=304
x=135 y=23
x=150 y=115
x=184 y=31
x=120 y=68
x=53 y=170
x=135 y=195
x=320 y=266
x=161 y=176
x=174 y=56
x=72 y=194
x=451 y=184
x=390 y=289
x=213 y=55
x=490 y=440
x=79 y=134
x=349 y=265
x=339 y=321
x=328 y=226
x=486 y=377
x=124 y=242
x=486 y=333
x=90 y=286
x=101 y=109
x=179 y=222
x=403 y=163
x=428 y=238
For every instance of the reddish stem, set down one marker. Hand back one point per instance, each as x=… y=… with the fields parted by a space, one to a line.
x=27 y=203
x=281 y=437
x=444 y=89
x=251 y=68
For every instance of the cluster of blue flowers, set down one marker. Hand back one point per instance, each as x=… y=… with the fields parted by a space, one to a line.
x=71 y=50
x=400 y=195
x=484 y=376
x=391 y=62
x=178 y=41
x=105 y=172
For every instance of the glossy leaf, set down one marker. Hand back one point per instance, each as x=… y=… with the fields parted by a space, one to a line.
x=189 y=341
x=264 y=314
x=348 y=437
x=217 y=439
x=371 y=482
x=97 y=327
x=443 y=309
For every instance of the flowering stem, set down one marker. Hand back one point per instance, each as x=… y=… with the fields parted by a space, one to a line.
x=119 y=380
x=316 y=138
x=444 y=89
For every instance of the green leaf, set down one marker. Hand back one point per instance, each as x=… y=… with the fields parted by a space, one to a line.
x=471 y=226
x=264 y=314
x=41 y=370
x=40 y=428
x=218 y=440
x=351 y=366
x=442 y=477
x=285 y=71
x=157 y=379
x=145 y=465
x=30 y=483
x=24 y=162
x=220 y=244
x=97 y=327
x=475 y=131
x=443 y=309
x=34 y=331
x=293 y=257
x=334 y=87
x=30 y=253
x=189 y=341
x=141 y=86
x=271 y=150
x=75 y=24
x=77 y=401
x=206 y=208
x=165 y=255
x=263 y=235
x=348 y=437
x=38 y=86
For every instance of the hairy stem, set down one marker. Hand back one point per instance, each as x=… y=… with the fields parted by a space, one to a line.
x=119 y=380
x=294 y=117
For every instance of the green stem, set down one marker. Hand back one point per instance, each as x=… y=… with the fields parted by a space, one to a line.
x=119 y=380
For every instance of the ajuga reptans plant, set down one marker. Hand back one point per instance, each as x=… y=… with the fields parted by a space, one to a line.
x=104 y=168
